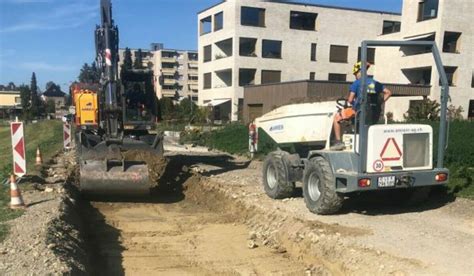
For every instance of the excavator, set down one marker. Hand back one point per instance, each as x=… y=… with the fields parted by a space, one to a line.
x=119 y=151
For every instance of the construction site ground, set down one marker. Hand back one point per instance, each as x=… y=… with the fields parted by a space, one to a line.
x=211 y=216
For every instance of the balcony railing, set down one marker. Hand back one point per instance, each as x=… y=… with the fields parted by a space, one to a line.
x=168 y=70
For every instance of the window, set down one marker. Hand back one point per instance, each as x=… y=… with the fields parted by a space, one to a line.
x=470 y=112
x=370 y=55
x=338 y=54
x=207 y=80
x=168 y=87
x=313 y=51
x=269 y=76
x=451 y=42
x=252 y=17
x=391 y=27
x=218 y=21
x=420 y=76
x=337 y=77
x=224 y=78
x=271 y=49
x=450 y=74
x=247 y=76
x=207 y=53
x=472 y=80
x=417 y=50
x=223 y=48
x=168 y=54
x=427 y=9
x=247 y=47
x=168 y=65
x=17 y=100
x=192 y=56
x=303 y=21
x=312 y=76
x=205 y=26
x=192 y=78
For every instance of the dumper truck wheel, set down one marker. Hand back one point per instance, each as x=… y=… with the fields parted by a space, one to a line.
x=275 y=176
x=319 y=188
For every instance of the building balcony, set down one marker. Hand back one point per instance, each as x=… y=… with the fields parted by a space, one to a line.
x=168 y=92
x=169 y=81
x=168 y=70
x=168 y=59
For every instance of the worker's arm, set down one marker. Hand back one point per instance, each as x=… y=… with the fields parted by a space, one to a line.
x=351 y=97
x=386 y=94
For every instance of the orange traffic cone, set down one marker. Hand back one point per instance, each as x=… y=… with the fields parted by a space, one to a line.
x=16 y=198
x=39 y=160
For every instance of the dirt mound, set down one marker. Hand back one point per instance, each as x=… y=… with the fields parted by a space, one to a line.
x=320 y=246
x=65 y=236
x=156 y=163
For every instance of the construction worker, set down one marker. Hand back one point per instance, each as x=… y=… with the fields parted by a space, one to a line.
x=374 y=90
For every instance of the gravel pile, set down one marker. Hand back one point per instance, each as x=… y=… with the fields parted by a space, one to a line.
x=46 y=239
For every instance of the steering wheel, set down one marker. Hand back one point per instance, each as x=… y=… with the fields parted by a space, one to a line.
x=342 y=103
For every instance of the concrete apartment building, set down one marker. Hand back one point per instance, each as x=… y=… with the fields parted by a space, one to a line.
x=249 y=42
x=174 y=70
x=449 y=24
x=246 y=42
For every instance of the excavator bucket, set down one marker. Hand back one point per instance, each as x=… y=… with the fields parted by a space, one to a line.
x=111 y=177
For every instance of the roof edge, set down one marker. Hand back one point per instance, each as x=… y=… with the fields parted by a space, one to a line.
x=315 y=5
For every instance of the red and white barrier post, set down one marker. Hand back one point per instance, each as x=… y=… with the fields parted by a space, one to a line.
x=18 y=147
x=253 y=139
x=67 y=136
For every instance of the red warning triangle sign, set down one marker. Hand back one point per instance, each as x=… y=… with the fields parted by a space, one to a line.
x=391 y=151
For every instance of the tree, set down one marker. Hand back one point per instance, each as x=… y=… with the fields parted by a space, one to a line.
x=50 y=106
x=167 y=108
x=127 y=60
x=89 y=74
x=25 y=95
x=50 y=84
x=455 y=113
x=138 y=60
x=95 y=72
x=424 y=110
x=11 y=86
x=35 y=100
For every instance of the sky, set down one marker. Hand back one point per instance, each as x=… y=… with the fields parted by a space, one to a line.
x=54 y=38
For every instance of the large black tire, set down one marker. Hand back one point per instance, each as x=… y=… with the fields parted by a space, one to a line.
x=319 y=188
x=275 y=176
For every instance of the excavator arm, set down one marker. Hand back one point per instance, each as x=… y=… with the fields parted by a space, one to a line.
x=106 y=43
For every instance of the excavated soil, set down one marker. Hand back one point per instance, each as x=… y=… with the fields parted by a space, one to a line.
x=172 y=235
x=156 y=163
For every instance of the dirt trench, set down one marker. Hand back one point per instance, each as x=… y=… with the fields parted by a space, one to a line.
x=217 y=220
x=174 y=233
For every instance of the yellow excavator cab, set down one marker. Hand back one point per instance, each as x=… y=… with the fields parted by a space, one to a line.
x=86 y=108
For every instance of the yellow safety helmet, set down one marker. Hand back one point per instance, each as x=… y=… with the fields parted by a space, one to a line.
x=358 y=66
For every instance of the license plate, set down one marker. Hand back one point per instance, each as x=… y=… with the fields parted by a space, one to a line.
x=386 y=181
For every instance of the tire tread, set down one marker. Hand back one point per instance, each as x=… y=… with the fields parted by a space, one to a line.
x=330 y=201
